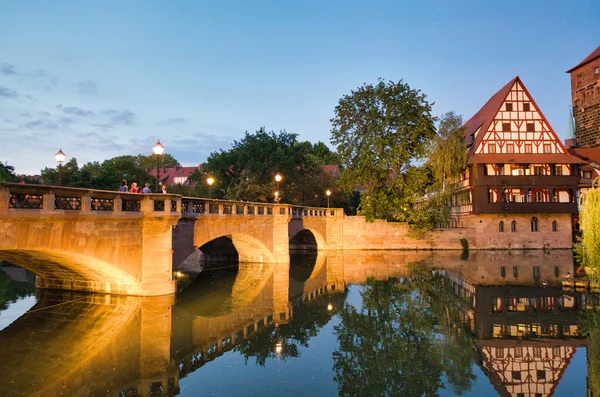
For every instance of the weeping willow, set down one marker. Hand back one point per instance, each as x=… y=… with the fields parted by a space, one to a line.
x=589 y=251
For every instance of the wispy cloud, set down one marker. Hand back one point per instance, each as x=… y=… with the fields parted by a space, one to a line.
x=7 y=69
x=87 y=87
x=77 y=111
x=6 y=92
x=120 y=117
x=176 y=120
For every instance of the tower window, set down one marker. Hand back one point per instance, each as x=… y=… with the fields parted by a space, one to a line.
x=587 y=174
x=505 y=127
x=526 y=107
x=501 y=226
x=509 y=107
x=596 y=70
x=554 y=226
x=513 y=226
x=530 y=127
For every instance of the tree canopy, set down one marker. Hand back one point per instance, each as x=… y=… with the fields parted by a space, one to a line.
x=247 y=170
x=379 y=132
x=448 y=150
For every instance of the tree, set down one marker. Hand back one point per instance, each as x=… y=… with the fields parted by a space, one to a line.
x=379 y=130
x=150 y=161
x=68 y=174
x=7 y=173
x=448 y=150
x=247 y=170
x=589 y=216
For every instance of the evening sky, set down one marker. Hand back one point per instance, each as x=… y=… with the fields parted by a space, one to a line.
x=106 y=78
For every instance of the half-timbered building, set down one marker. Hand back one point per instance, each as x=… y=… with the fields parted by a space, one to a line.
x=520 y=184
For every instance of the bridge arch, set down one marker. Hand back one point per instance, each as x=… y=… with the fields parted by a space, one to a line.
x=307 y=239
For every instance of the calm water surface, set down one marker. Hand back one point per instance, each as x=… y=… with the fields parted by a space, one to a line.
x=374 y=323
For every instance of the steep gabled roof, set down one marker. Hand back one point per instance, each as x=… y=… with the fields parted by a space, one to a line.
x=484 y=117
x=594 y=55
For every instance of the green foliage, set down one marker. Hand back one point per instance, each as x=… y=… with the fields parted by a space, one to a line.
x=590 y=328
x=93 y=175
x=406 y=336
x=247 y=170
x=150 y=161
x=589 y=216
x=448 y=150
x=378 y=131
x=11 y=290
x=7 y=173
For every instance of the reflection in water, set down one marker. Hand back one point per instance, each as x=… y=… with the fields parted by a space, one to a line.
x=379 y=322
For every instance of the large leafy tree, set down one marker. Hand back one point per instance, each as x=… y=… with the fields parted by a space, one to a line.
x=150 y=161
x=7 y=173
x=448 y=150
x=379 y=130
x=247 y=170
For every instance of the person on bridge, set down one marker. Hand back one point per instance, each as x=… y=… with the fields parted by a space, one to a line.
x=124 y=187
x=134 y=188
x=146 y=189
x=164 y=189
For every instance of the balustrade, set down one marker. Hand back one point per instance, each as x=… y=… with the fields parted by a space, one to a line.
x=52 y=198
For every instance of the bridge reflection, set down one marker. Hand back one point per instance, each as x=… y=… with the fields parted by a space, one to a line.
x=77 y=344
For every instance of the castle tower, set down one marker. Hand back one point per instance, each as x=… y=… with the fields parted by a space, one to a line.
x=585 y=95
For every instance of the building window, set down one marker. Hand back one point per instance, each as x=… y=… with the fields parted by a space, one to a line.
x=513 y=226
x=558 y=170
x=501 y=227
x=516 y=271
x=528 y=148
x=518 y=352
x=537 y=273
x=547 y=148
x=587 y=174
x=509 y=106
x=502 y=271
x=541 y=374
x=499 y=352
x=516 y=375
x=596 y=70
x=534 y=224
x=554 y=226
x=491 y=148
x=526 y=107
x=530 y=127
x=537 y=197
x=538 y=170
x=505 y=127
x=510 y=148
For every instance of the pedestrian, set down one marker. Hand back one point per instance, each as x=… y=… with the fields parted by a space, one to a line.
x=164 y=189
x=134 y=188
x=146 y=189
x=124 y=187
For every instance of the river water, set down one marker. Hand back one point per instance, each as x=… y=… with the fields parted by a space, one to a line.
x=353 y=323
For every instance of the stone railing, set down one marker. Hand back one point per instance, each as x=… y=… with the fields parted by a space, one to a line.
x=194 y=207
x=19 y=197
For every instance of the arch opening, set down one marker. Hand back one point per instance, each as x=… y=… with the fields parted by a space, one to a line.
x=304 y=240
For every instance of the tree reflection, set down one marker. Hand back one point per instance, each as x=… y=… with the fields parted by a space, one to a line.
x=11 y=290
x=407 y=334
x=304 y=325
x=590 y=328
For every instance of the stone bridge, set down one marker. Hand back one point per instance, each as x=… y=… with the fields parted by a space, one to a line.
x=124 y=243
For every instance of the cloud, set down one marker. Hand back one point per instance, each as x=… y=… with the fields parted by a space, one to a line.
x=26 y=114
x=87 y=87
x=120 y=117
x=176 y=120
x=7 y=69
x=77 y=111
x=39 y=123
x=6 y=92
x=34 y=124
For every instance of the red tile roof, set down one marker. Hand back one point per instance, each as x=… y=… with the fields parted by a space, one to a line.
x=483 y=118
x=594 y=55
x=590 y=155
x=168 y=175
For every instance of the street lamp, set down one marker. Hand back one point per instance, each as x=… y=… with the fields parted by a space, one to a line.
x=277 y=196
x=210 y=182
x=278 y=179
x=158 y=150
x=60 y=157
x=328 y=193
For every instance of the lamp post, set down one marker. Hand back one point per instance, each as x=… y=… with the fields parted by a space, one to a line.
x=328 y=193
x=277 y=196
x=210 y=182
x=158 y=150
x=278 y=179
x=60 y=157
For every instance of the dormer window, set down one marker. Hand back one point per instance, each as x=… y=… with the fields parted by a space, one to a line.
x=509 y=107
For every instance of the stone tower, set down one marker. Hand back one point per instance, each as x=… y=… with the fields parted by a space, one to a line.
x=585 y=95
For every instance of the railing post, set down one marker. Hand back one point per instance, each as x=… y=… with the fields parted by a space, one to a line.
x=48 y=201
x=4 y=198
x=118 y=204
x=86 y=203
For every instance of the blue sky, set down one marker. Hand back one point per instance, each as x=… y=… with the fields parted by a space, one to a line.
x=100 y=79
